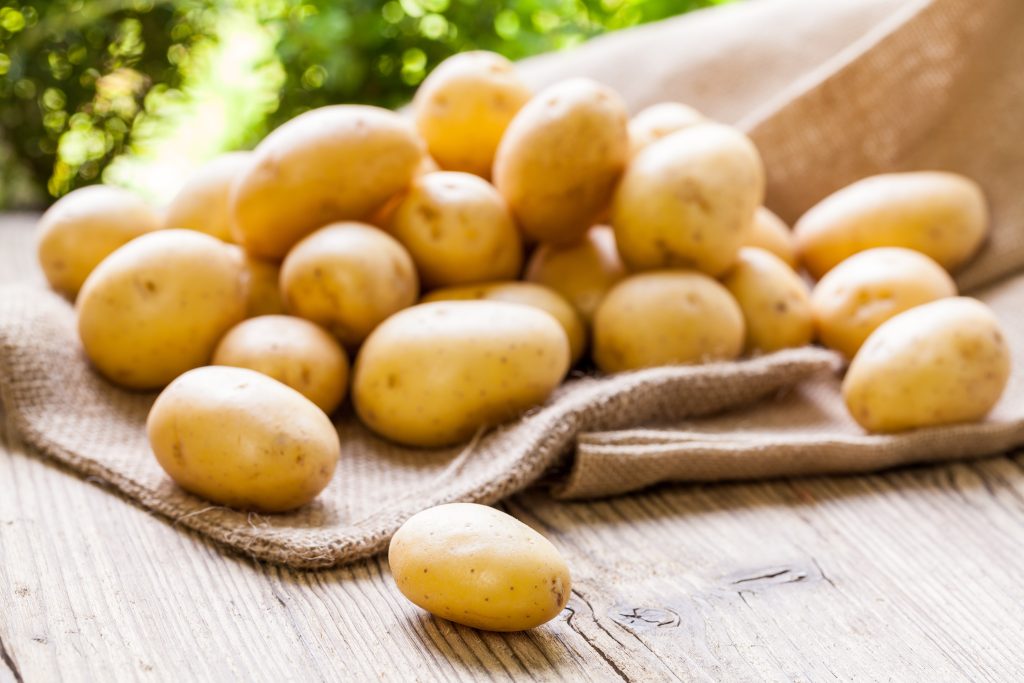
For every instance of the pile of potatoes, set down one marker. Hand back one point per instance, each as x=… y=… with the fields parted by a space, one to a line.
x=446 y=272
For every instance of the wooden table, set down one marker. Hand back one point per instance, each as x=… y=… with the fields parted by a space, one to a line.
x=908 y=575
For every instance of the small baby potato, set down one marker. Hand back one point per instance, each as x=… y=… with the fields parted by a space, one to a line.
x=239 y=438
x=479 y=567
x=940 y=363
x=526 y=294
x=560 y=158
x=943 y=215
x=347 y=278
x=870 y=287
x=435 y=374
x=83 y=227
x=688 y=200
x=774 y=299
x=264 y=287
x=464 y=106
x=291 y=350
x=157 y=306
x=458 y=230
x=330 y=164
x=770 y=233
x=203 y=202
x=582 y=272
x=666 y=318
x=659 y=120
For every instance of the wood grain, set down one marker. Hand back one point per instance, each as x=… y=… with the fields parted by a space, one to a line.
x=910 y=575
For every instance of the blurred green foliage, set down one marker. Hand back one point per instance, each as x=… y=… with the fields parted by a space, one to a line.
x=93 y=89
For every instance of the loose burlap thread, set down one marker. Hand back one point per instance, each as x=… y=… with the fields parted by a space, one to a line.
x=830 y=94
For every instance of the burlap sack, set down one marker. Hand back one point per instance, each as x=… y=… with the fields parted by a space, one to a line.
x=830 y=92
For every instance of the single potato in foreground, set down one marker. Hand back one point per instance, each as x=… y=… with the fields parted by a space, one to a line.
x=239 y=438
x=84 y=227
x=480 y=567
x=434 y=374
x=941 y=363
x=774 y=299
x=157 y=306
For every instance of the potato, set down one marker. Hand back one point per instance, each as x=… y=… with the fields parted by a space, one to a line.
x=480 y=567
x=527 y=294
x=381 y=217
x=84 y=227
x=202 y=202
x=264 y=287
x=435 y=374
x=458 y=230
x=291 y=350
x=666 y=318
x=239 y=438
x=770 y=233
x=582 y=272
x=870 y=287
x=560 y=159
x=688 y=200
x=347 y=278
x=157 y=306
x=329 y=164
x=464 y=106
x=774 y=299
x=939 y=363
x=659 y=120
x=943 y=215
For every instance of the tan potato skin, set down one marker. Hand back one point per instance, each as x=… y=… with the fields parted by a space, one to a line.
x=582 y=272
x=560 y=158
x=477 y=566
x=775 y=301
x=464 y=106
x=458 y=230
x=666 y=318
x=769 y=232
x=203 y=201
x=527 y=294
x=942 y=215
x=239 y=438
x=84 y=227
x=330 y=164
x=157 y=306
x=293 y=351
x=688 y=200
x=264 y=287
x=435 y=374
x=940 y=363
x=658 y=121
x=870 y=287
x=347 y=278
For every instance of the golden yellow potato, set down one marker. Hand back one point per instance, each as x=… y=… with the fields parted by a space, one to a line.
x=560 y=159
x=464 y=106
x=202 y=202
x=870 y=287
x=666 y=318
x=264 y=287
x=291 y=350
x=347 y=278
x=527 y=294
x=330 y=164
x=688 y=200
x=458 y=230
x=939 y=363
x=435 y=374
x=774 y=299
x=582 y=272
x=239 y=438
x=659 y=120
x=770 y=233
x=480 y=567
x=157 y=306
x=84 y=227
x=943 y=215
